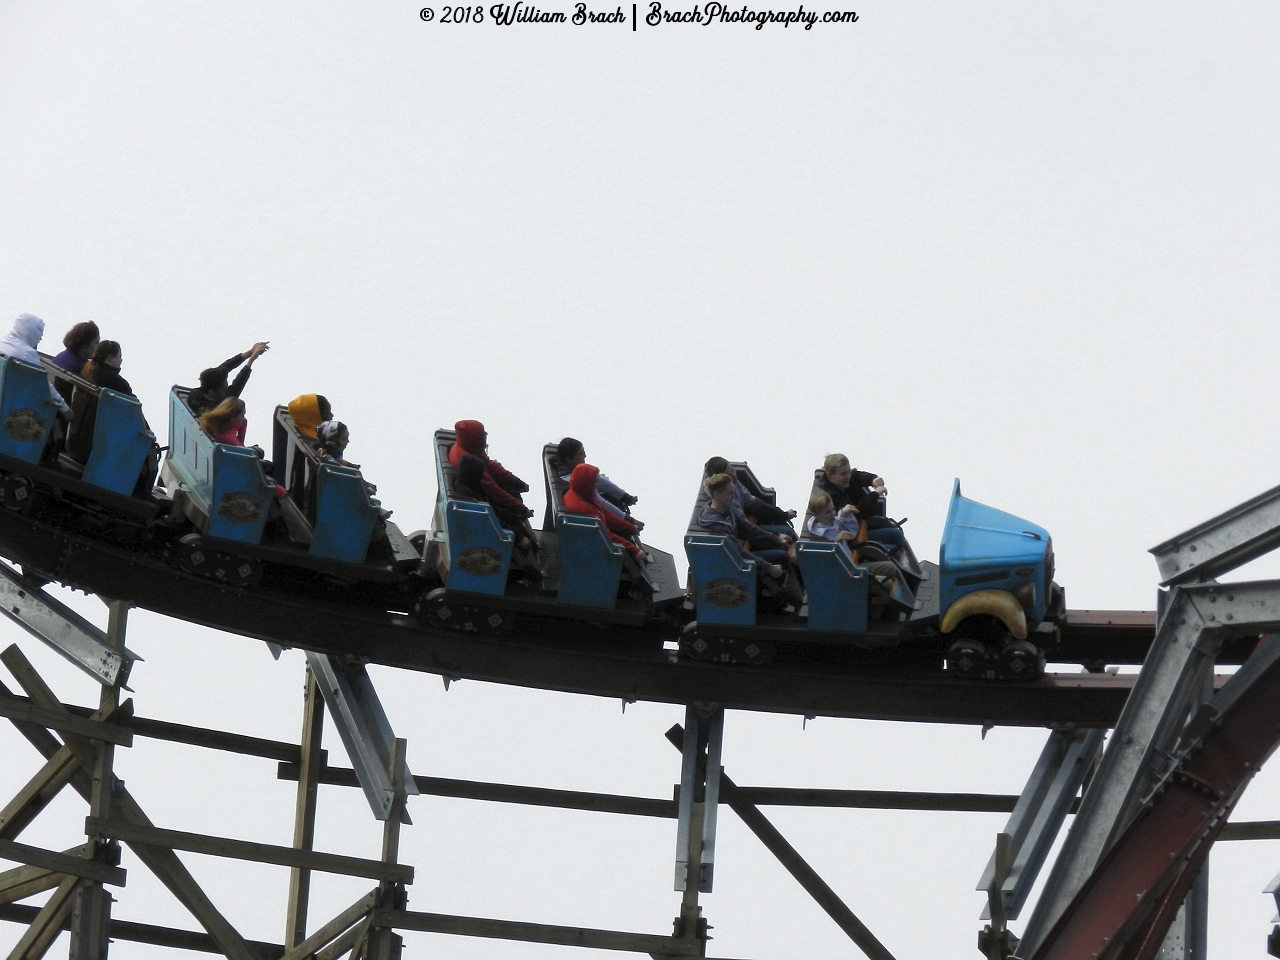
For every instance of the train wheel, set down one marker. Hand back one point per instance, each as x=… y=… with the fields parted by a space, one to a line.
x=190 y=555
x=15 y=493
x=968 y=658
x=724 y=649
x=1020 y=660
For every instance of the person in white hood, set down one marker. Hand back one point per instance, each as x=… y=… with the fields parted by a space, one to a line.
x=21 y=344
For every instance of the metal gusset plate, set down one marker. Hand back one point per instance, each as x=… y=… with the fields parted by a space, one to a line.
x=364 y=728
x=70 y=634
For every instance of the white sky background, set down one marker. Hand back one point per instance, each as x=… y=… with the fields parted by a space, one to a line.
x=1031 y=246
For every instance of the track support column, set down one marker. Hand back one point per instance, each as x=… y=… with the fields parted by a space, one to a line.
x=697 y=811
x=91 y=903
x=304 y=817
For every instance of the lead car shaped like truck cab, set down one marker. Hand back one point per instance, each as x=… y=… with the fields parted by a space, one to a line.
x=997 y=597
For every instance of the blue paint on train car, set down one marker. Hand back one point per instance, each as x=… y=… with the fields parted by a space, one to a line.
x=345 y=515
x=987 y=549
x=835 y=585
x=590 y=562
x=722 y=581
x=225 y=482
x=121 y=442
x=477 y=547
x=26 y=411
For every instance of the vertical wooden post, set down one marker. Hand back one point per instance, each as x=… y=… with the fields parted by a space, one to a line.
x=304 y=811
x=385 y=944
x=91 y=903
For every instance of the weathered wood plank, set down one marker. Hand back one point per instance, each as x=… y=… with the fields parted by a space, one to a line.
x=535 y=933
x=347 y=918
x=62 y=863
x=133 y=833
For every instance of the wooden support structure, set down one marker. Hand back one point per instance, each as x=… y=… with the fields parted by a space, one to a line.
x=78 y=745
x=304 y=814
x=91 y=903
x=138 y=835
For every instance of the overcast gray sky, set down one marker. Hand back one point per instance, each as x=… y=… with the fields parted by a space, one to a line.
x=1029 y=245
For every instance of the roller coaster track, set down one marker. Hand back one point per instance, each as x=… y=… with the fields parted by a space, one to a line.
x=607 y=661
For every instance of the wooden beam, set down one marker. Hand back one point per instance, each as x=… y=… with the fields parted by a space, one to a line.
x=345 y=943
x=62 y=863
x=304 y=810
x=22 y=882
x=150 y=836
x=18 y=708
x=649 y=807
x=47 y=924
x=346 y=919
x=37 y=793
x=1251 y=830
x=535 y=933
x=150 y=933
x=795 y=864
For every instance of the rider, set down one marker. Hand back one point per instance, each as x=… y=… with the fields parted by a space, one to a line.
x=21 y=344
x=213 y=387
x=723 y=516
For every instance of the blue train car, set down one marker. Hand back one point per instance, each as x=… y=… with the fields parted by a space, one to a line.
x=991 y=598
x=326 y=522
x=570 y=569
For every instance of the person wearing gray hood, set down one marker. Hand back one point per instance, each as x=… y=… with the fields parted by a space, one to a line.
x=21 y=344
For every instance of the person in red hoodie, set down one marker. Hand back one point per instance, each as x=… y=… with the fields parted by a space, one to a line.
x=582 y=498
x=501 y=486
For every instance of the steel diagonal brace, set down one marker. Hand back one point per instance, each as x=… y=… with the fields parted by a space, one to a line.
x=363 y=726
x=1040 y=811
x=1217 y=546
x=70 y=634
x=1153 y=726
x=787 y=855
x=1125 y=909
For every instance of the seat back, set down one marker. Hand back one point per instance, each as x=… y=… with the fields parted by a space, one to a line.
x=722 y=581
x=26 y=411
x=122 y=441
x=332 y=497
x=835 y=585
x=555 y=487
x=591 y=563
x=345 y=515
x=225 y=483
x=475 y=547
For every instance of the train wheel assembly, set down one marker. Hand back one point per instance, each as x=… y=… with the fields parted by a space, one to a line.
x=724 y=649
x=434 y=610
x=16 y=493
x=191 y=555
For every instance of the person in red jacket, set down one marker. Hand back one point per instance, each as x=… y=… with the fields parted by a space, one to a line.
x=582 y=498
x=501 y=486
